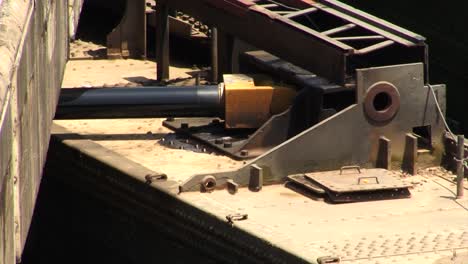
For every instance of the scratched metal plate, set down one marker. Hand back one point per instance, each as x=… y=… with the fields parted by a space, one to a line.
x=307 y=184
x=355 y=181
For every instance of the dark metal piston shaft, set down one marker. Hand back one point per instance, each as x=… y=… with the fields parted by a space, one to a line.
x=189 y=101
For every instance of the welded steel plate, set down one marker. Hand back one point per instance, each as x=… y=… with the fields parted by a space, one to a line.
x=364 y=196
x=354 y=180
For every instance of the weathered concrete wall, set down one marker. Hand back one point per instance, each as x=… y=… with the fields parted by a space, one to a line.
x=74 y=9
x=33 y=51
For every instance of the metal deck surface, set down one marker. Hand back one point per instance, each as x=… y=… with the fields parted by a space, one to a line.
x=418 y=230
x=423 y=229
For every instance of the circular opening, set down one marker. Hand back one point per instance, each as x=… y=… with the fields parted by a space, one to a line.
x=382 y=101
x=210 y=185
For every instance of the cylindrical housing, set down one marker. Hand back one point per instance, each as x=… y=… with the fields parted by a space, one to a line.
x=165 y=101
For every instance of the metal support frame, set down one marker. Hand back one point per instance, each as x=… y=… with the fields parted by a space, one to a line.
x=128 y=39
x=162 y=40
x=307 y=110
x=355 y=135
x=247 y=21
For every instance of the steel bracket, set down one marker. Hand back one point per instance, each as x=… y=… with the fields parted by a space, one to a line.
x=350 y=137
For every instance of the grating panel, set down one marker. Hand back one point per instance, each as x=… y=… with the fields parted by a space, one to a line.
x=396 y=245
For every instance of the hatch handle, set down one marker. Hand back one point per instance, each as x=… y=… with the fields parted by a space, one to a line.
x=365 y=178
x=357 y=167
x=329 y=260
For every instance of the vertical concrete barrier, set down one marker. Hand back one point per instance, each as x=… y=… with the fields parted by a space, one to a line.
x=74 y=10
x=33 y=52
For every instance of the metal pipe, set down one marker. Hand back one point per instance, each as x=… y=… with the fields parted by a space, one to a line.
x=214 y=55
x=91 y=103
x=460 y=166
x=162 y=40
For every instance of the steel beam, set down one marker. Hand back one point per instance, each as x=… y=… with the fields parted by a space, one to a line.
x=225 y=49
x=128 y=39
x=214 y=55
x=275 y=32
x=271 y=35
x=460 y=165
x=162 y=40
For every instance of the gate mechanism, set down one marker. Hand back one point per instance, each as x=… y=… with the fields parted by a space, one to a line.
x=342 y=88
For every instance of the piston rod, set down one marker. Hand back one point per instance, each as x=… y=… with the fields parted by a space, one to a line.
x=94 y=103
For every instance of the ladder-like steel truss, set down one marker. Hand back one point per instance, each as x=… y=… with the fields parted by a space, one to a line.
x=326 y=37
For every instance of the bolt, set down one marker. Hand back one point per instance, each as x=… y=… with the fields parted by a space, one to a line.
x=184 y=125
x=227 y=144
x=244 y=152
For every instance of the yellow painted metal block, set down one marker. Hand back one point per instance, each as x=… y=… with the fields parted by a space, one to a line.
x=250 y=106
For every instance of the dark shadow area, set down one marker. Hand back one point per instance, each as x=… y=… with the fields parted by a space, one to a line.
x=99 y=53
x=98 y=18
x=59 y=230
x=88 y=211
x=140 y=80
x=70 y=225
x=183 y=52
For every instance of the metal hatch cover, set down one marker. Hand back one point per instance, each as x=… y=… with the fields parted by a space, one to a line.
x=302 y=181
x=354 y=179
